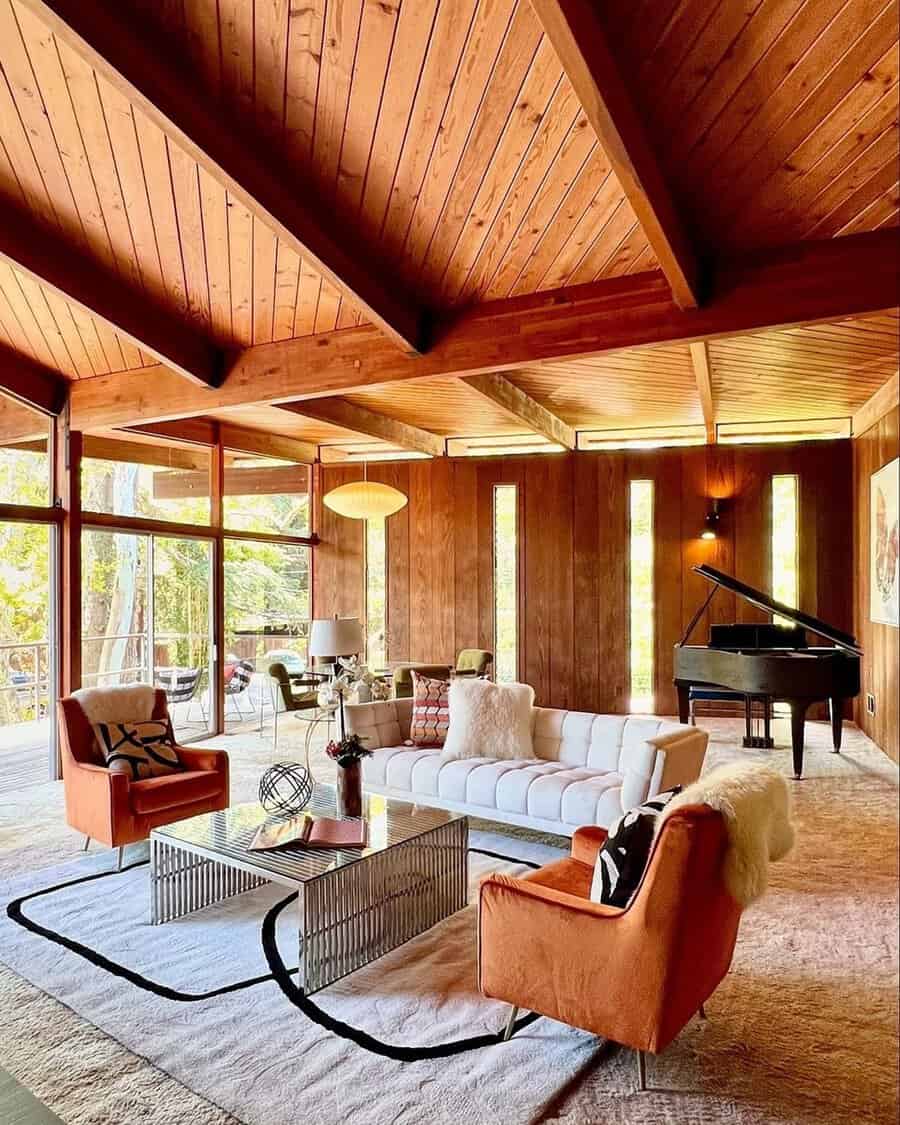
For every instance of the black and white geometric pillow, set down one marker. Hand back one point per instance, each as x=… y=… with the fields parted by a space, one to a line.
x=623 y=857
x=141 y=749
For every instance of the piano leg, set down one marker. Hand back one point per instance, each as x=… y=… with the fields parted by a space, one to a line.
x=798 y=719
x=748 y=721
x=836 y=707
x=684 y=699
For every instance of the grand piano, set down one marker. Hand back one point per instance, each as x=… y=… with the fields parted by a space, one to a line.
x=769 y=662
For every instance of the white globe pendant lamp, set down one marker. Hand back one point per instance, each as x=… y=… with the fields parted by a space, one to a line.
x=365 y=500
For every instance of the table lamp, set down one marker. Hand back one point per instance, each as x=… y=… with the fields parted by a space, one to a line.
x=331 y=637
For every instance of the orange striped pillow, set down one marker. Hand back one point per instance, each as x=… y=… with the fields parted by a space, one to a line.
x=431 y=711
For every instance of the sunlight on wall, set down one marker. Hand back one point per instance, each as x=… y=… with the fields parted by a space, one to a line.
x=376 y=593
x=506 y=583
x=785 y=539
x=641 y=594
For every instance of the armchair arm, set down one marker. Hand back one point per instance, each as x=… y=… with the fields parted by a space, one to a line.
x=679 y=758
x=97 y=799
x=203 y=759
x=587 y=842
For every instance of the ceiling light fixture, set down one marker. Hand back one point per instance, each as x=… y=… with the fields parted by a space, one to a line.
x=365 y=499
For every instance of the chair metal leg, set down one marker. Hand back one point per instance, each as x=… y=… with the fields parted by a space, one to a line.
x=510 y=1023
x=702 y=1012
x=86 y=844
x=120 y=857
x=642 y=1070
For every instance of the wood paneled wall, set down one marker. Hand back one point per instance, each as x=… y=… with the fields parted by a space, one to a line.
x=573 y=555
x=881 y=643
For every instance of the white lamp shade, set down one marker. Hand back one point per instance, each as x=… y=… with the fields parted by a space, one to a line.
x=335 y=636
x=364 y=500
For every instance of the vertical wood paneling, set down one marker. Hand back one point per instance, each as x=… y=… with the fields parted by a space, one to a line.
x=881 y=643
x=573 y=552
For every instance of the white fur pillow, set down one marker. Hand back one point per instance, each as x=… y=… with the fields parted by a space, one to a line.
x=489 y=720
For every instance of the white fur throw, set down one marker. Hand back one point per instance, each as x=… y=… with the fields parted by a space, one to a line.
x=488 y=720
x=121 y=703
x=756 y=804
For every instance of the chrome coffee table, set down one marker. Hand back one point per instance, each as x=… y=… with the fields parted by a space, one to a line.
x=354 y=905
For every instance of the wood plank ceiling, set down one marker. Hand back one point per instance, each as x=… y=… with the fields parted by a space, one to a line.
x=446 y=133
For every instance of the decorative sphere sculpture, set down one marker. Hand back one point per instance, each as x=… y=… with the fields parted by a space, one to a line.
x=285 y=787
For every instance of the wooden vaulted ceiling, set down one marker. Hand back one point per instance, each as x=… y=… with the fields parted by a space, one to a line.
x=453 y=146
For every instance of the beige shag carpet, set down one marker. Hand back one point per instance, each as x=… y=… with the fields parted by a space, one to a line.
x=802 y=1031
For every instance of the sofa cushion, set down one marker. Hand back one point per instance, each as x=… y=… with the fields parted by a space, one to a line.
x=430 y=713
x=158 y=793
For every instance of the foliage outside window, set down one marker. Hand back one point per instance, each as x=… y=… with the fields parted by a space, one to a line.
x=25 y=657
x=641 y=594
x=25 y=461
x=376 y=593
x=267 y=495
x=267 y=603
x=785 y=542
x=506 y=594
x=137 y=479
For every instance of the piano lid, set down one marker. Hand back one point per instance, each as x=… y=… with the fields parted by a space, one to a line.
x=762 y=601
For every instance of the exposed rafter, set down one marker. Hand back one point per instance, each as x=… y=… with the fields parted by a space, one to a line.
x=236 y=438
x=801 y=284
x=46 y=258
x=350 y=416
x=575 y=30
x=703 y=377
x=30 y=383
x=523 y=408
x=143 y=69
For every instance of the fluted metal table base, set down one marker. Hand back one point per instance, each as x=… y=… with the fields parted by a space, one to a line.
x=348 y=915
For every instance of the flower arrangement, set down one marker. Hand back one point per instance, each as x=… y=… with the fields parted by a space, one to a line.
x=348 y=751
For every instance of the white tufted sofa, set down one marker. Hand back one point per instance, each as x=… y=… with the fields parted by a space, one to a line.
x=588 y=769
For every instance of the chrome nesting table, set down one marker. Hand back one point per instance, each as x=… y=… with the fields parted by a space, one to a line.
x=354 y=905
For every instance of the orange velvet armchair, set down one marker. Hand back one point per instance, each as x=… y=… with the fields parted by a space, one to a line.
x=110 y=807
x=634 y=975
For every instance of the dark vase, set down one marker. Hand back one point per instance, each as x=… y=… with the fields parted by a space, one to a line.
x=349 y=790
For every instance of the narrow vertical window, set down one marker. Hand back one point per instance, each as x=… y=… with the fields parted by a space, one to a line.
x=376 y=593
x=785 y=540
x=641 y=594
x=506 y=584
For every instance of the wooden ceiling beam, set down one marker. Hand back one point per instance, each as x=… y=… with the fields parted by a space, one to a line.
x=351 y=416
x=703 y=377
x=30 y=383
x=143 y=68
x=886 y=398
x=801 y=284
x=278 y=447
x=576 y=32
x=521 y=406
x=47 y=259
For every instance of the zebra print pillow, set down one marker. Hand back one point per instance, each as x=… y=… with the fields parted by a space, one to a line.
x=144 y=749
x=621 y=861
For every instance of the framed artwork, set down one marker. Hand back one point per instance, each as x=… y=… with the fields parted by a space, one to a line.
x=884 y=544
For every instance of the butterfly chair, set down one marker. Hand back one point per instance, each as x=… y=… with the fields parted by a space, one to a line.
x=115 y=810
x=634 y=976
x=236 y=685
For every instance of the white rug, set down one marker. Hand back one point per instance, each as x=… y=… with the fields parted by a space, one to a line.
x=252 y=1052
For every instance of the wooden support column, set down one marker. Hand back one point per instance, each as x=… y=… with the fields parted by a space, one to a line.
x=67 y=492
x=217 y=517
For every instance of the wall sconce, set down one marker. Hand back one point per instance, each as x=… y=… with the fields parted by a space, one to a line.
x=711 y=523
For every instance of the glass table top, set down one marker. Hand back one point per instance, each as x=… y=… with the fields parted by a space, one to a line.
x=225 y=835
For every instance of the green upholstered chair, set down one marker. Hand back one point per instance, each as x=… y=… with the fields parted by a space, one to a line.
x=299 y=694
x=473 y=662
x=403 y=681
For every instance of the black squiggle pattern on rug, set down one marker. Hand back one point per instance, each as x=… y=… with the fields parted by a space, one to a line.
x=279 y=973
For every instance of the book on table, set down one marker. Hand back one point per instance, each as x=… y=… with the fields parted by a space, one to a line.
x=312 y=832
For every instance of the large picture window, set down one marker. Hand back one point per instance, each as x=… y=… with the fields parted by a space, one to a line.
x=376 y=593
x=641 y=594
x=506 y=583
x=24 y=455
x=266 y=495
x=131 y=478
x=785 y=541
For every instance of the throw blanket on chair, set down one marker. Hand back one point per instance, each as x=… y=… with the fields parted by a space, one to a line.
x=119 y=703
x=756 y=804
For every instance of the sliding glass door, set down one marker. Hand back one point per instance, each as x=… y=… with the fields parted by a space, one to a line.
x=146 y=619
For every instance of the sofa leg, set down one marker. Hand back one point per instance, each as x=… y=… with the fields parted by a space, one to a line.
x=642 y=1071
x=119 y=857
x=86 y=844
x=510 y=1023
